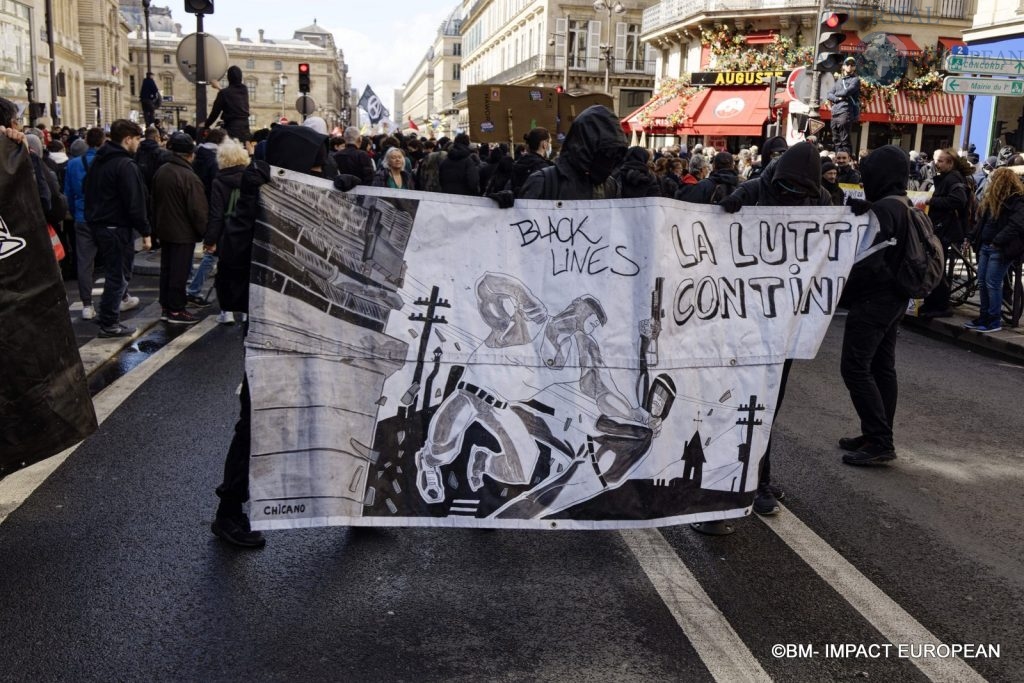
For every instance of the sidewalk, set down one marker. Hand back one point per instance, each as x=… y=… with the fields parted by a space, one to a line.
x=1008 y=343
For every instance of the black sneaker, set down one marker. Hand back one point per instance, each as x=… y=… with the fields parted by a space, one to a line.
x=196 y=301
x=852 y=443
x=765 y=502
x=181 y=318
x=237 y=532
x=870 y=454
x=116 y=330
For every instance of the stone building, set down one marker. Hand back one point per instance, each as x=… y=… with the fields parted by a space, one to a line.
x=427 y=98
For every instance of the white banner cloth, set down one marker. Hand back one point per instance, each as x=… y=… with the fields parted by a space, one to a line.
x=431 y=360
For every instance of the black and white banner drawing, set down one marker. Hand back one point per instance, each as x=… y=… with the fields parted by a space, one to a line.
x=431 y=360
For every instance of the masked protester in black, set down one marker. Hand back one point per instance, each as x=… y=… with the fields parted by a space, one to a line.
x=876 y=306
x=594 y=147
x=793 y=179
x=295 y=148
x=635 y=177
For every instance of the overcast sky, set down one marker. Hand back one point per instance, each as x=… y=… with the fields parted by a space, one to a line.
x=382 y=42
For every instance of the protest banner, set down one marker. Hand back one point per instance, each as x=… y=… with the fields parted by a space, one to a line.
x=432 y=360
x=44 y=400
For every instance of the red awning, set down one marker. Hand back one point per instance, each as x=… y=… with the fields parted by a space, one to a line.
x=659 y=116
x=940 y=109
x=760 y=37
x=852 y=43
x=904 y=44
x=733 y=111
x=949 y=43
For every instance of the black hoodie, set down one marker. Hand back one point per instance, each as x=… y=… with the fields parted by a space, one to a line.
x=799 y=168
x=232 y=105
x=635 y=177
x=593 y=147
x=459 y=172
x=886 y=172
x=527 y=165
x=115 y=194
x=296 y=148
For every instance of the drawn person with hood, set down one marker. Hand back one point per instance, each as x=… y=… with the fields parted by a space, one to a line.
x=232 y=107
x=553 y=355
x=594 y=147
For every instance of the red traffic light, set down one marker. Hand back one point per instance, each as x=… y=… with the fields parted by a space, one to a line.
x=833 y=20
x=559 y=89
x=303 y=68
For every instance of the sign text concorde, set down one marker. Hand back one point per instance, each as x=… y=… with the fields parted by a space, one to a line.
x=983 y=86
x=969 y=64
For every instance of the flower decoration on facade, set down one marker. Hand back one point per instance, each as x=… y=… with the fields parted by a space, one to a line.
x=670 y=90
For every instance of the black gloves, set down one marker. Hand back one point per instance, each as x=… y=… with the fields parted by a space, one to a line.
x=859 y=206
x=731 y=204
x=345 y=182
x=504 y=198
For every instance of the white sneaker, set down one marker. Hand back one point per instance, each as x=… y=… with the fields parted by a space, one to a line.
x=226 y=318
x=129 y=302
x=88 y=313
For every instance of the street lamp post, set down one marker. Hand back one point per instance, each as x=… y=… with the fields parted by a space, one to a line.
x=565 y=57
x=149 y=58
x=606 y=48
x=282 y=81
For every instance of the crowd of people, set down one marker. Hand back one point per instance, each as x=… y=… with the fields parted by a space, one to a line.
x=202 y=186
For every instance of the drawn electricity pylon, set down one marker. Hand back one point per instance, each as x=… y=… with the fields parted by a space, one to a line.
x=428 y=320
x=749 y=422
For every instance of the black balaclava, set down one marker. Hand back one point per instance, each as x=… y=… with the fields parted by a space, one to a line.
x=595 y=144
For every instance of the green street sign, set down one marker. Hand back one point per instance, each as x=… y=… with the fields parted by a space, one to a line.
x=983 y=86
x=973 y=64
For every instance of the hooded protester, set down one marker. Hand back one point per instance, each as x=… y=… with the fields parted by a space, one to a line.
x=829 y=173
x=720 y=184
x=635 y=177
x=232 y=107
x=793 y=179
x=594 y=147
x=876 y=306
x=538 y=149
x=459 y=173
x=297 y=147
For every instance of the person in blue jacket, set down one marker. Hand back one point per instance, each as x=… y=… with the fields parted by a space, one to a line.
x=845 y=98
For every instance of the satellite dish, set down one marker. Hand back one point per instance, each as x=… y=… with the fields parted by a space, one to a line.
x=216 y=57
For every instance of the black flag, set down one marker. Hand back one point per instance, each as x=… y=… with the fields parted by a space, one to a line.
x=370 y=103
x=44 y=400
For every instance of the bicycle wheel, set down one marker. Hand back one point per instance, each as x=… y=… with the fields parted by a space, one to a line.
x=962 y=275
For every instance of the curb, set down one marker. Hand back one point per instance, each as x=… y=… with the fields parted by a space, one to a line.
x=1007 y=343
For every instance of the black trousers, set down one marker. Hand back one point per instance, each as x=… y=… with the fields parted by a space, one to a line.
x=234 y=490
x=175 y=264
x=765 y=475
x=841 y=132
x=868 y=364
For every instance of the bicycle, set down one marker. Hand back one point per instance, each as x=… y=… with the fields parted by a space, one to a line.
x=962 y=274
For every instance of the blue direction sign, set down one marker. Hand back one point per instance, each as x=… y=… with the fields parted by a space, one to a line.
x=975 y=64
x=983 y=86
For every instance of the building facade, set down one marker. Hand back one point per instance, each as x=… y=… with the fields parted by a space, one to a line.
x=899 y=45
x=427 y=100
x=997 y=32
x=582 y=47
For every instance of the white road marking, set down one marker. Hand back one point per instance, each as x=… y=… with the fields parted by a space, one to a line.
x=17 y=487
x=891 y=620
x=720 y=648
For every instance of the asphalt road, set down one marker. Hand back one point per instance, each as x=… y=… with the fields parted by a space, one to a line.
x=109 y=570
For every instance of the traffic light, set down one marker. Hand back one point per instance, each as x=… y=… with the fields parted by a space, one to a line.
x=830 y=37
x=199 y=6
x=96 y=97
x=773 y=96
x=559 y=89
x=303 y=77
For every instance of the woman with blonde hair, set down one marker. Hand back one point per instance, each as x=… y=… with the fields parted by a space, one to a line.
x=232 y=159
x=392 y=173
x=999 y=241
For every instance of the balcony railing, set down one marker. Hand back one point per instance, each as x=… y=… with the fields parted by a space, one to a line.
x=670 y=12
x=549 y=63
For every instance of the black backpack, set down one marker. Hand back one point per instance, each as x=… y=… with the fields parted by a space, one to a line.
x=920 y=262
